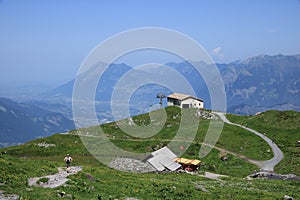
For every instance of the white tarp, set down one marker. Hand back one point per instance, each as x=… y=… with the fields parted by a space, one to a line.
x=156 y=164
x=164 y=151
x=162 y=159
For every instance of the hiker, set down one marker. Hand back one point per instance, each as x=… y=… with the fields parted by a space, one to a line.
x=68 y=159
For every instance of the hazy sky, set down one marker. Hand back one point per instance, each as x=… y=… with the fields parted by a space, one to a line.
x=45 y=41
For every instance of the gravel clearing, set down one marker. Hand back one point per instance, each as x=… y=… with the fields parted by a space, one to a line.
x=131 y=165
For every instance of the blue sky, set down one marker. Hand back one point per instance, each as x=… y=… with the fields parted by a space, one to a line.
x=46 y=41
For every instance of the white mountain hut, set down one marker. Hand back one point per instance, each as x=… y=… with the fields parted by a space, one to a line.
x=185 y=101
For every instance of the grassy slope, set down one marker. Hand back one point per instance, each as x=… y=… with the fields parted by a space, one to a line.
x=112 y=184
x=284 y=129
x=232 y=138
x=30 y=160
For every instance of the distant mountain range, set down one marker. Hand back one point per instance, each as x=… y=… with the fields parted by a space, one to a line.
x=20 y=122
x=252 y=85
x=255 y=84
x=263 y=82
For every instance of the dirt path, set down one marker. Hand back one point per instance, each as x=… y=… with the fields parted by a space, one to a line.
x=168 y=140
x=267 y=165
x=213 y=175
x=55 y=180
x=258 y=163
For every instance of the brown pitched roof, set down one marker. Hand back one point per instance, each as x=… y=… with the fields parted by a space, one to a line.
x=182 y=96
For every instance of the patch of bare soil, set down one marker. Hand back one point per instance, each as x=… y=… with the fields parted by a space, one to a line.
x=8 y=196
x=54 y=180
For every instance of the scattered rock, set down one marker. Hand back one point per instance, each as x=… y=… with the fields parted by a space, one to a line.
x=61 y=194
x=203 y=114
x=175 y=116
x=224 y=158
x=274 y=176
x=213 y=176
x=9 y=196
x=44 y=144
x=130 y=122
x=258 y=113
x=199 y=187
x=288 y=197
x=90 y=177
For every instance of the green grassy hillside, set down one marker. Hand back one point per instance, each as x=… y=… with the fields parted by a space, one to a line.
x=284 y=128
x=97 y=181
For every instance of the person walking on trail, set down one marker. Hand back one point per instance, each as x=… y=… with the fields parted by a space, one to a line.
x=68 y=159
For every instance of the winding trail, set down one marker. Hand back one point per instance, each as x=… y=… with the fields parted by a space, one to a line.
x=266 y=165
